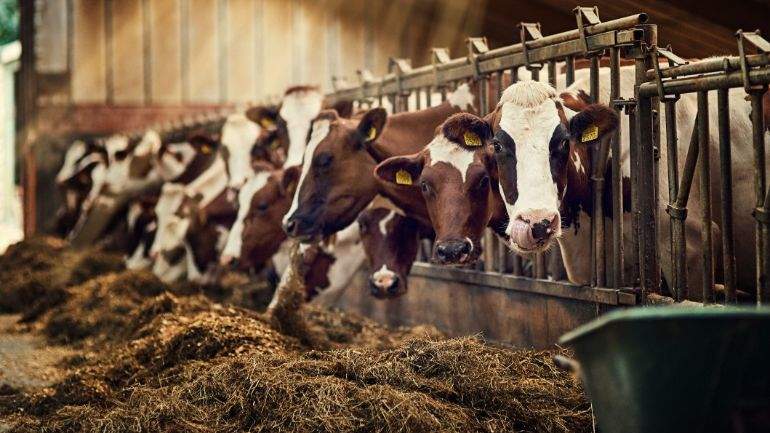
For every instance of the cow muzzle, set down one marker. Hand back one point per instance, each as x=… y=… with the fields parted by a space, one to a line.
x=301 y=227
x=533 y=231
x=453 y=252
x=385 y=285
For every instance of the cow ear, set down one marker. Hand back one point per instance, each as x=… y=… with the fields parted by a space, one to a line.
x=467 y=130
x=289 y=179
x=593 y=123
x=401 y=170
x=371 y=125
x=264 y=116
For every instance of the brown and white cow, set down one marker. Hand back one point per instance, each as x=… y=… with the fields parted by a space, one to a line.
x=79 y=179
x=451 y=175
x=541 y=151
x=337 y=182
x=390 y=241
x=239 y=135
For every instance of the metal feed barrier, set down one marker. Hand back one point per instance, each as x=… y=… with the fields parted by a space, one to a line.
x=629 y=38
x=522 y=301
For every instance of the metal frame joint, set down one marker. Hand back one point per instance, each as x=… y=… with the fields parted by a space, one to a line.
x=529 y=32
x=761 y=45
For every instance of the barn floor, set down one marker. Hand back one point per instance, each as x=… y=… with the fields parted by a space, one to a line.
x=118 y=351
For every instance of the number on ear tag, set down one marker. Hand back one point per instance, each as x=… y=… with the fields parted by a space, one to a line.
x=590 y=133
x=471 y=139
x=403 y=177
x=372 y=134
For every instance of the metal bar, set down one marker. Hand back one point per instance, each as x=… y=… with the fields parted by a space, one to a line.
x=673 y=190
x=716 y=64
x=597 y=233
x=540 y=271
x=526 y=285
x=650 y=272
x=570 y=72
x=705 y=83
x=758 y=136
x=552 y=73
x=535 y=73
x=516 y=266
x=725 y=166
x=617 y=178
x=705 y=197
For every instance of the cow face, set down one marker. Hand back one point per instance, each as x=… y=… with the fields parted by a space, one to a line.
x=540 y=148
x=142 y=224
x=181 y=162
x=452 y=174
x=238 y=137
x=390 y=242
x=167 y=250
x=129 y=159
x=335 y=183
x=260 y=232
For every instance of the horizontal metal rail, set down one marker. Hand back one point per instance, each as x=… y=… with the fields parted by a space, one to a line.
x=599 y=37
x=528 y=285
x=705 y=83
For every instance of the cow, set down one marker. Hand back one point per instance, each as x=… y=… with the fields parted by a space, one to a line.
x=452 y=175
x=79 y=179
x=390 y=241
x=239 y=135
x=540 y=145
x=337 y=182
x=195 y=210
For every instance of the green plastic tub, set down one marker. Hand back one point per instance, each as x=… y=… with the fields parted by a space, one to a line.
x=673 y=369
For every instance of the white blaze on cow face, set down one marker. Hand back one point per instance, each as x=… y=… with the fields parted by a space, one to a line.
x=383 y=224
x=320 y=131
x=441 y=149
x=235 y=238
x=530 y=117
x=298 y=110
x=238 y=136
x=384 y=278
x=175 y=160
x=171 y=197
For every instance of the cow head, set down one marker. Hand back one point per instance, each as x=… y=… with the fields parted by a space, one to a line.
x=540 y=146
x=273 y=140
x=335 y=183
x=168 y=249
x=81 y=175
x=390 y=242
x=129 y=160
x=142 y=225
x=257 y=233
x=183 y=161
x=452 y=174
x=238 y=137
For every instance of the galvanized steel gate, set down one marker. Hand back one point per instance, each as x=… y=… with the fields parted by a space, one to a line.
x=631 y=39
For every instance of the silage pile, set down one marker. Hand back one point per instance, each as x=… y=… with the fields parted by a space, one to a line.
x=167 y=359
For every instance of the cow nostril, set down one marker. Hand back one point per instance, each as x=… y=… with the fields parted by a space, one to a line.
x=466 y=247
x=290 y=226
x=442 y=251
x=393 y=289
x=375 y=291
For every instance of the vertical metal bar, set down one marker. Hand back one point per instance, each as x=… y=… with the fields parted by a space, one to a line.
x=705 y=197
x=535 y=74
x=650 y=272
x=499 y=83
x=570 y=64
x=725 y=166
x=428 y=97
x=516 y=266
x=617 y=179
x=676 y=230
x=514 y=74
x=418 y=102
x=678 y=217
x=552 y=73
x=597 y=221
x=540 y=266
x=763 y=291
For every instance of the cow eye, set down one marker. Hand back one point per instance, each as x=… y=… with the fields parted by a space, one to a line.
x=121 y=155
x=262 y=206
x=425 y=187
x=363 y=227
x=324 y=160
x=497 y=146
x=483 y=183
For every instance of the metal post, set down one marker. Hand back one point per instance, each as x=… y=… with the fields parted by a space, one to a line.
x=570 y=64
x=617 y=178
x=760 y=213
x=678 y=213
x=648 y=259
x=673 y=191
x=725 y=166
x=552 y=73
x=705 y=197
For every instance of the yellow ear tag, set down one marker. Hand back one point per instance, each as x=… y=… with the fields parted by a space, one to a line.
x=206 y=149
x=471 y=139
x=403 y=177
x=372 y=134
x=267 y=123
x=590 y=133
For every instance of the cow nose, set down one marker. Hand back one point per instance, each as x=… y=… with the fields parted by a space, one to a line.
x=290 y=226
x=543 y=224
x=382 y=288
x=453 y=251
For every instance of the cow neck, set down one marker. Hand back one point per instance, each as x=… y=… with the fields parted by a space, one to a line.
x=577 y=195
x=409 y=132
x=210 y=184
